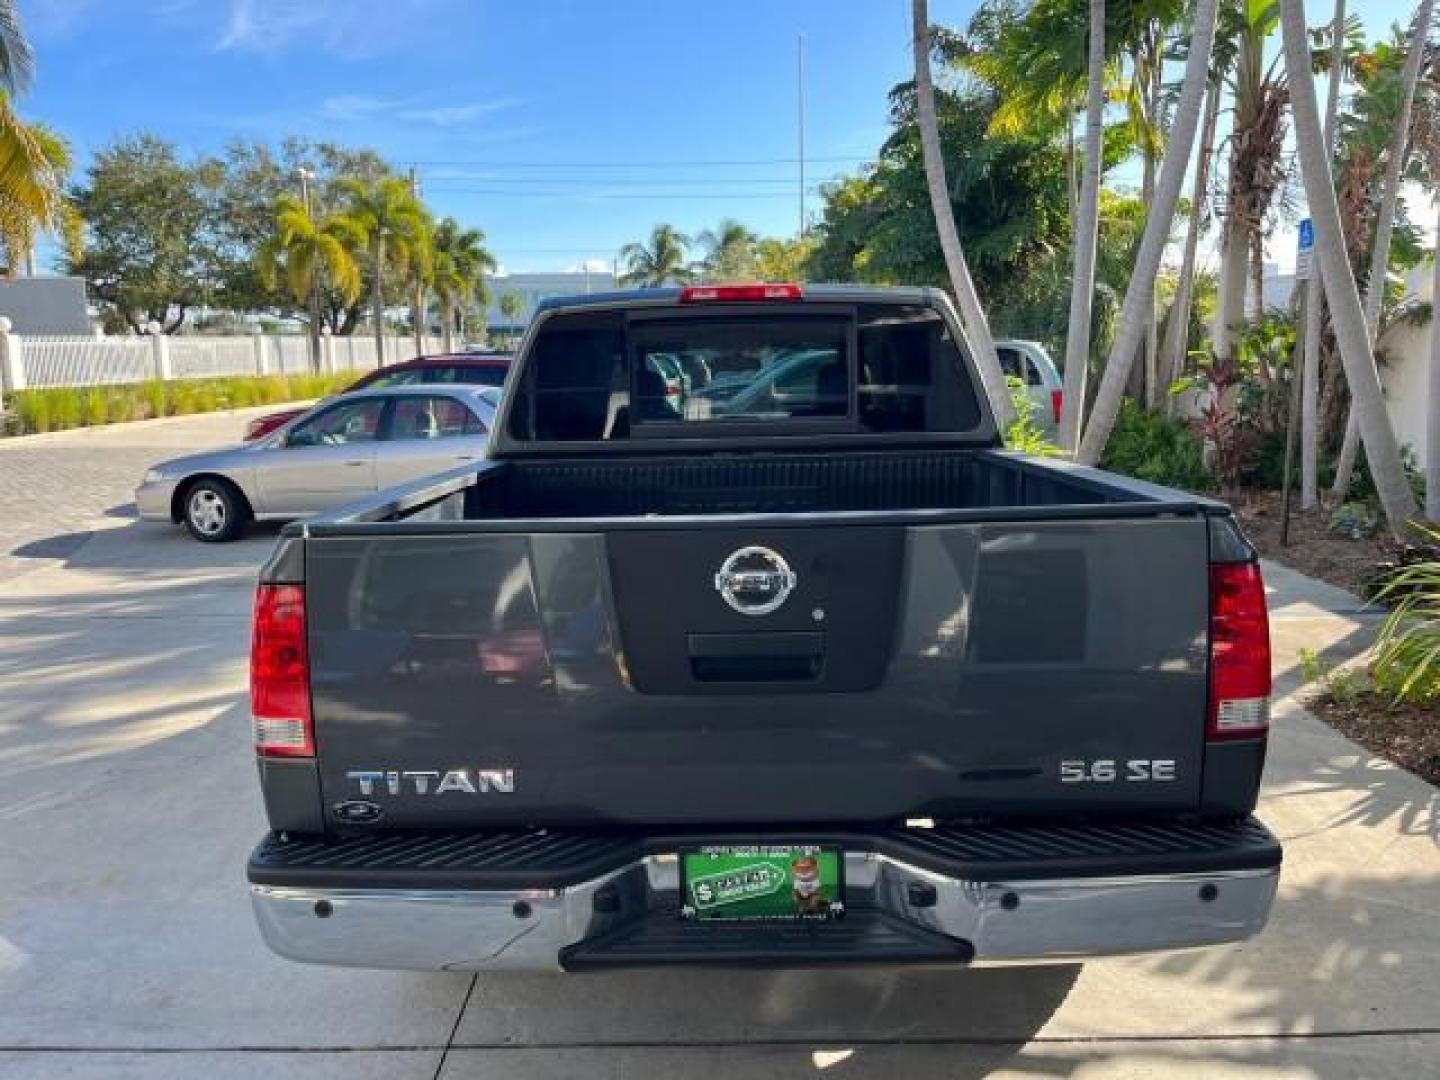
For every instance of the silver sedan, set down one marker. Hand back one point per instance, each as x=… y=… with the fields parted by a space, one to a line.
x=340 y=450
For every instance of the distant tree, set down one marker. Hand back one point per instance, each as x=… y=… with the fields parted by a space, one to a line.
x=253 y=176
x=302 y=253
x=461 y=262
x=661 y=262
x=783 y=260
x=511 y=305
x=729 y=252
x=391 y=219
x=151 y=251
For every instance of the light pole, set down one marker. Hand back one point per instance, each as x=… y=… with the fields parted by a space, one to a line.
x=305 y=176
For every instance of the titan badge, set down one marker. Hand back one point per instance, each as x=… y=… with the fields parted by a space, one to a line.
x=434 y=782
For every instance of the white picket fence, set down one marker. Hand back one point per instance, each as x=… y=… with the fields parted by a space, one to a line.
x=49 y=361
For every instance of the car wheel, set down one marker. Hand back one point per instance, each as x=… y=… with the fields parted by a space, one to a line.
x=214 y=511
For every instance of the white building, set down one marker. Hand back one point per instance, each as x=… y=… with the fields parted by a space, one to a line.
x=532 y=288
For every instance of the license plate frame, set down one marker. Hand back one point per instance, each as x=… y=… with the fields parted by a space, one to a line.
x=798 y=882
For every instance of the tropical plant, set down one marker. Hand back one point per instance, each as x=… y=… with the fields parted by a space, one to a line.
x=1086 y=234
x=972 y=313
x=1139 y=295
x=1260 y=97
x=1407 y=658
x=1152 y=446
x=1314 y=294
x=461 y=263
x=511 y=307
x=660 y=262
x=1352 y=337
x=1024 y=434
x=304 y=253
x=1385 y=219
x=392 y=220
x=784 y=260
x=730 y=251
x=419 y=273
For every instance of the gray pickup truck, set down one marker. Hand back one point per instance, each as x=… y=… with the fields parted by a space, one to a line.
x=749 y=644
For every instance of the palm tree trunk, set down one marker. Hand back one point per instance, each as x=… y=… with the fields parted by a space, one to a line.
x=1157 y=230
x=417 y=317
x=1152 y=327
x=1177 y=327
x=316 y=363
x=1396 y=497
x=1310 y=374
x=1234 y=271
x=1385 y=227
x=447 y=323
x=1432 y=408
x=1087 y=227
x=977 y=328
x=377 y=299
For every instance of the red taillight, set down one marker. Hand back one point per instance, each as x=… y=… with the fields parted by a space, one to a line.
x=1057 y=403
x=280 y=674
x=1239 y=652
x=699 y=294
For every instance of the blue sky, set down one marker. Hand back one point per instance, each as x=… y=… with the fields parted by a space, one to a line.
x=496 y=103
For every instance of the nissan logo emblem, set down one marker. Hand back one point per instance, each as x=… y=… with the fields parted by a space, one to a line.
x=755 y=580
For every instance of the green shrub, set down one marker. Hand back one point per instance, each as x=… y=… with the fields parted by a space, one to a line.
x=1152 y=446
x=64 y=408
x=93 y=408
x=1024 y=433
x=53 y=409
x=155 y=396
x=1354 y=521
x=120 y=407
x=32 y=408
x=1407 y=660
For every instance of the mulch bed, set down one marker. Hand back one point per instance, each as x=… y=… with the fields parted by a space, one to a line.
x=1407 y=735
x=1314 y=549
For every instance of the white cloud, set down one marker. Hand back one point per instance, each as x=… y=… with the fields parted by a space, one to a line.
x=355 y=29
x=450 y=115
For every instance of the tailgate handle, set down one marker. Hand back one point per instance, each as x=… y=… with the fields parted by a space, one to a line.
x=779 y=657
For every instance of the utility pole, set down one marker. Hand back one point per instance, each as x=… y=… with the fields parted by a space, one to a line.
x=800 y=87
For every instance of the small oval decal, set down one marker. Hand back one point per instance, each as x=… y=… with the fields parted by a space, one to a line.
x=358 y=812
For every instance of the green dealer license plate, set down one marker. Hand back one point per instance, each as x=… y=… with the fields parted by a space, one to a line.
x=791 y=881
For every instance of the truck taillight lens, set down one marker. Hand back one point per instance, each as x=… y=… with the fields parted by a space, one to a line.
x=280 y=674
x=1057 y=403
x=1239 y=652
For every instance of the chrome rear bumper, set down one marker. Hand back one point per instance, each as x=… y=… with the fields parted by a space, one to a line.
x=1032 y=921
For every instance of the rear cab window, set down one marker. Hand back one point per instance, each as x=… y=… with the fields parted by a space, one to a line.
x=812 y=369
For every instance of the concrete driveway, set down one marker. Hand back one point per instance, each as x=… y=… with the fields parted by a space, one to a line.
x=128 y=806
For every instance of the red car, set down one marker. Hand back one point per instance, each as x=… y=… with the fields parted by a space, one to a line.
x=479 y=369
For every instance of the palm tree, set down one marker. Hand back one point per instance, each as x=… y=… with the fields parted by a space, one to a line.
x=461 y=262
x=306 y=252
x=34 y=160
x=420 y=270
x=34 y=164
x=390 y=217
x=1177 y=321
x=1314 y=296
x=972 y=315
x=729 y=252
x=660 y=263
x=511 y=305
x=1385 y=225
x=1396 y=498
x=1152 y=243
x=1087 y=227
x=1257 y=170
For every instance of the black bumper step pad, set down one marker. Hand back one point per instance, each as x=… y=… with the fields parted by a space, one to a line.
x=861 y=937
x=554 y=858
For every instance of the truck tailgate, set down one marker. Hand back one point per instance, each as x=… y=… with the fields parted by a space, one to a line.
x=564 y=677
